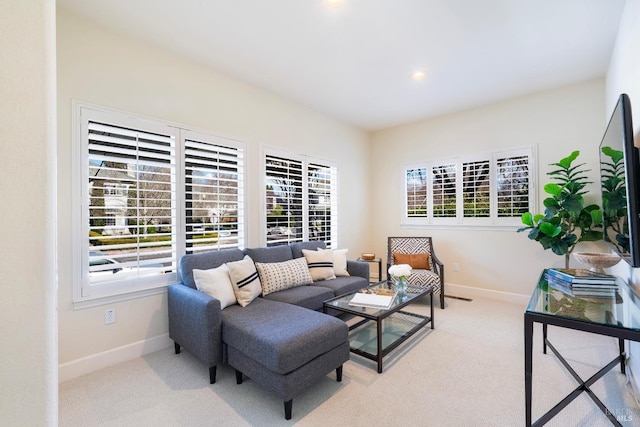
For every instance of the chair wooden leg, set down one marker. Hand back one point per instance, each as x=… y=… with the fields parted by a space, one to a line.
x=442 y=299
x=176 y=347
x=238 y=377
x=339 y=373
x=287 y=409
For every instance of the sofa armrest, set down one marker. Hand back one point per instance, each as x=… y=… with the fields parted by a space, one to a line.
x=195 y=321
x=358 y=268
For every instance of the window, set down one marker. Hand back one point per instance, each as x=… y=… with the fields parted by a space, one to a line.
x=492 y=189
x=300 y=200
x=149 y=193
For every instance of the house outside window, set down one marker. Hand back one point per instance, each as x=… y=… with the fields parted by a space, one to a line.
x=492 y=189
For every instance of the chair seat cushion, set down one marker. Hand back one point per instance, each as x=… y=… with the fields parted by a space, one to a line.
x=281 y=337
x=423 y=278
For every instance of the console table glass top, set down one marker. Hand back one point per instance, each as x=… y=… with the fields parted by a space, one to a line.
x=607 y=309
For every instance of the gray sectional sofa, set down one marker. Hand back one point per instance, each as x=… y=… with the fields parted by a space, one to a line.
x=282 y=340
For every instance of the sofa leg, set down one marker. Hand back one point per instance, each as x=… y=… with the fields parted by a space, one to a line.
x=176 y=347
x=238 y=377
x=212 y=375
x=339 y=373
x=287 y=409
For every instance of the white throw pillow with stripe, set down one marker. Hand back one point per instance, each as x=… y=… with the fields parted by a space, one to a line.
x=245 y=280
x=320 y=264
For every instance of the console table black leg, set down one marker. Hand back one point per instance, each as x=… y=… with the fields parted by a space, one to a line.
x=287 y=409
x=622 y=356
x=528 y=367
x=544 y=338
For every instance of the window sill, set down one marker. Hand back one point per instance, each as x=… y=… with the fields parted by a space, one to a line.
x=80 y=304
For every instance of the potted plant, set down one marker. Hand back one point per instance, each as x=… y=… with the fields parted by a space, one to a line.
x=566 y=220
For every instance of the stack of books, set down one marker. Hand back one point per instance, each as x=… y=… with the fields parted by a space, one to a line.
x=580 y=282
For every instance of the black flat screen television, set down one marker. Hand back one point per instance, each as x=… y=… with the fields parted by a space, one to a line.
x=620 y=183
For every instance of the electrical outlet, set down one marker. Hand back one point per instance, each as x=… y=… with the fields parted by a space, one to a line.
x=110 y=316
x=456 y=267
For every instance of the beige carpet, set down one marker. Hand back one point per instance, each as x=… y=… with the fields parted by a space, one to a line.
x=466 y=372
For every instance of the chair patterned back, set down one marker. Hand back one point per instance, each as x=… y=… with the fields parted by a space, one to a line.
x=408 y=245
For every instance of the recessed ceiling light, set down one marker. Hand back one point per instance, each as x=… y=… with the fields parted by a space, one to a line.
x=335 y=3
x=418 y=75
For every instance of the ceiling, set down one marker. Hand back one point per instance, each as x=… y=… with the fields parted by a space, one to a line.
x=354 y=62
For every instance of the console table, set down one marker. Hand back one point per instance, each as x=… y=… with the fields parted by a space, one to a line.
x=606 y=316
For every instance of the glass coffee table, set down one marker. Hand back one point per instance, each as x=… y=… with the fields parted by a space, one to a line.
x=382 y=330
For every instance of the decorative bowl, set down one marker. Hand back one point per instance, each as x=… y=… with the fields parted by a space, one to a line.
x=597 y=261
x=367 y=256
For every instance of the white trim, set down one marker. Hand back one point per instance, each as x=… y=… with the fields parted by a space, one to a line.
x=110 y=299
x=95 y=362
x=472 y=292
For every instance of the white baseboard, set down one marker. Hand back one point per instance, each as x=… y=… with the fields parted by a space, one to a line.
x=95 y=362
x=470 y=292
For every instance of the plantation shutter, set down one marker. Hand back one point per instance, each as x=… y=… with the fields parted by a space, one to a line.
x=214 y=196
x=476 y=189
x=513 y=185
x=322 y=203
x=284 y=200
x=416 y=192
x=132 y=203
x=444 y=191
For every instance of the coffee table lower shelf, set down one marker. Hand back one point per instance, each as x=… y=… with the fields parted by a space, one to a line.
x=374 y=339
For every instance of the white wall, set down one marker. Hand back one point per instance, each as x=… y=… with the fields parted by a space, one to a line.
x=28 y=359
x=622 y=77
x=503 y=264
x=100 y=67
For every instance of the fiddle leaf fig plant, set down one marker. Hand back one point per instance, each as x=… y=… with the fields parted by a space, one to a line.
x=566 y=220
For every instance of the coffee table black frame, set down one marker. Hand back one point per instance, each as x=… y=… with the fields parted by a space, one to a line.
x=614 y=323
x=413 y=322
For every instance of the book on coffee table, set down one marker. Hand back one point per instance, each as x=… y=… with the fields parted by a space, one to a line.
x=581 y=276
x=372 y=300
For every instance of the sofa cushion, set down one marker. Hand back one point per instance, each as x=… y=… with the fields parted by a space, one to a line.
x=270 y=254
x=297 y=247
x=343 y=285
x=278 y=276
x=281 y=337
x=310 y=297
x=217 y=283
x=245 y=280
x=320 y=263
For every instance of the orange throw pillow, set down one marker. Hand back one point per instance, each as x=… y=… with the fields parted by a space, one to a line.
x=417 y=261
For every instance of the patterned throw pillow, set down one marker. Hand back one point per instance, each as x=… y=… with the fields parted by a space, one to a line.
x=417 y=261
x=245 y=280
x=278 y=276
x=216 y=282
x=340 y=262
x=320 y=263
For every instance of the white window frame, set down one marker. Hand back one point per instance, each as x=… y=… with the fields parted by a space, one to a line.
x=493 y=221
x=87 y=294
x=305 y=160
